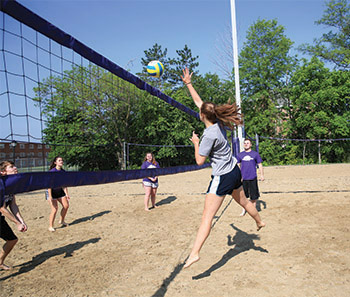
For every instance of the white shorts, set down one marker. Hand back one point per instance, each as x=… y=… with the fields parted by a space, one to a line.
x=149 y=184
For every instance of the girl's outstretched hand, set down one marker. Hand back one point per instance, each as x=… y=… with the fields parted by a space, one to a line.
x=187 y=76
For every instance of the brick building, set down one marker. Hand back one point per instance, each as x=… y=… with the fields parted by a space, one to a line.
x=27 y=156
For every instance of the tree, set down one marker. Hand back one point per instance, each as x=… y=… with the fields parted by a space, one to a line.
x=88 y=112
x=184 y=59
x=334 y=46
x=321 y=109
x=172 y=66
x=265 y=67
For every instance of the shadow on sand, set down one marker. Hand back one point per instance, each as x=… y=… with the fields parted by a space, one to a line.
x=167 y=200
x=89 y=218
x=260 y=203
x=242 y=241
x=67 y=250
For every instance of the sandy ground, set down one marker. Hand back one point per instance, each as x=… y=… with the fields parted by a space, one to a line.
x=114 y=248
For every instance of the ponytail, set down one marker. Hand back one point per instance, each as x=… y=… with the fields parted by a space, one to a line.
x=228 y=114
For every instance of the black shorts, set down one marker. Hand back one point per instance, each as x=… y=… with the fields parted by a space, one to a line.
x=222 y=185
x=56 y=193
x=251 y=189
x=6 y=232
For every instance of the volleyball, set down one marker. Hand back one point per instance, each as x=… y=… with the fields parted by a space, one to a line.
x=155 y=68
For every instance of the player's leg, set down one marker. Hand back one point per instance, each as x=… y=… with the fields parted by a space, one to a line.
x=211 y=206
x=241 y=199
x=153 y=197
x=254 y=191
x=10 y=238
x=65 y=205
x=6 y=249
x=246 y=192
x=54 y=207
x=148 y=191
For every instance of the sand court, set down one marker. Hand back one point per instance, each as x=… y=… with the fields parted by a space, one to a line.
x=114 y=248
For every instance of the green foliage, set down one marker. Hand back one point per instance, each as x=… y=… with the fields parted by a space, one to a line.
x=91 y=113
x=334 y=46
x=171 y=78
x=320 y=107
x=184 y=59
x=88 y=112
x=265 y=67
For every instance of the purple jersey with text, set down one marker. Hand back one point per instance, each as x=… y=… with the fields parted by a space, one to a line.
x=148 y=165
x=248 y=161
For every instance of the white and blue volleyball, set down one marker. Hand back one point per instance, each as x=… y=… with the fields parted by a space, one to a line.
x=155 y=68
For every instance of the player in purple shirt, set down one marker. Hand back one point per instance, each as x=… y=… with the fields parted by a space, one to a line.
x=249 y=160
x=150 y=184
x=57 y=195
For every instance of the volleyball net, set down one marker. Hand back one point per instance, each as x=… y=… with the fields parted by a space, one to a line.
x=57 y=92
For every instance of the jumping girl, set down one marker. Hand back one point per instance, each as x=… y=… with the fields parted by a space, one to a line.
x=226 y=175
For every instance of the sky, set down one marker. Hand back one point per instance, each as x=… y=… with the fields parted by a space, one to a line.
x=122 y=30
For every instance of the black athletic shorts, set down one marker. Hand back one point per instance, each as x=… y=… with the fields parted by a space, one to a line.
x=222 y=185
x=56 y=193
x=251 y=189
x=6 y=232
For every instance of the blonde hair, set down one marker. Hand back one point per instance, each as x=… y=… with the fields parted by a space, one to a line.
x=228 y=114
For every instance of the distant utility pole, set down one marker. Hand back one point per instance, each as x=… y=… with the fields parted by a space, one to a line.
x=236 y=67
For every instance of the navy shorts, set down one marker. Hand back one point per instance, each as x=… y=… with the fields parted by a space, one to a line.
x=6 y=232
x=251 y=189
x=56 y=193
x=222 y=185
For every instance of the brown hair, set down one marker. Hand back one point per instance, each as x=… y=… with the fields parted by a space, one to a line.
x=4 y=164
x=245 y=139
x=228 y=114
x=154 y=162
x=52 y=165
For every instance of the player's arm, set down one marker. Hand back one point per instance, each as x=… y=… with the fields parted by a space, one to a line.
x=65 y=190
x=200 y=160
x=8 y=215
x=261 y=170
x=15 y=211
x=49 y=191
x=186 y=78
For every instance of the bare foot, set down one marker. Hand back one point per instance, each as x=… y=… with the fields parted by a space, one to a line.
x=147 y=209
x=64 y=224
x=261 y=225
x=5 y=267
x=51 y=229
x=191 y=260
x=154 y=206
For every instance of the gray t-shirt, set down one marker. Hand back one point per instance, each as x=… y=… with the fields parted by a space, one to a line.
x=214 y=145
